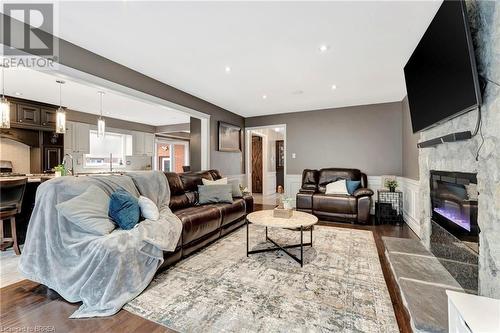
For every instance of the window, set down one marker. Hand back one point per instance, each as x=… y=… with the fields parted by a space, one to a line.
x=113 y=147
x=172 y=155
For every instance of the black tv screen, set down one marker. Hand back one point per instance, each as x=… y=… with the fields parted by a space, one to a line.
x=441 y=76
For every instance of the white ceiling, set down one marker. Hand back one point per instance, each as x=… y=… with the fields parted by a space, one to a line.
x=271 y=47
x=42 y=87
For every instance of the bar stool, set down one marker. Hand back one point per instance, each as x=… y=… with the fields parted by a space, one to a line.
x=11 y=199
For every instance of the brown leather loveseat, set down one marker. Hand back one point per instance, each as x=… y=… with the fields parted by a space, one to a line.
x=349 y=208
x=201 y=224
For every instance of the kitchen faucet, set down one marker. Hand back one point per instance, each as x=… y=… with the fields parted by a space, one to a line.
x=72 y=170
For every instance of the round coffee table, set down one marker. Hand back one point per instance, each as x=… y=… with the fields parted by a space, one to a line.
x=299 y=221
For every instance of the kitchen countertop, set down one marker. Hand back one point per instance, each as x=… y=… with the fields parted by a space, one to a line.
x=31 y=178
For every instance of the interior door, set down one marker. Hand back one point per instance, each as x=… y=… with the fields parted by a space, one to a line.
x=280 y=164
x=257 y=164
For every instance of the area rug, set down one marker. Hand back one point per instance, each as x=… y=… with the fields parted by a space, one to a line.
x=341 y=287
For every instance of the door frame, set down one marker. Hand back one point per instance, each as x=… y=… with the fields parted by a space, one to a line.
x=160 y=140
x=249 y=131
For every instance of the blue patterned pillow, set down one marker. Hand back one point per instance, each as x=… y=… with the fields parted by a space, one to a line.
x=124 y=209
x=352 y=185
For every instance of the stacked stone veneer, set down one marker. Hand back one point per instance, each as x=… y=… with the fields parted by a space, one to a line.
x=484 y=18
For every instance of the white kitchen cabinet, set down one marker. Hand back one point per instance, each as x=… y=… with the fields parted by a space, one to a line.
x=149 y=144
x=143 y=143
x=82 y=138
x=137 y=143
x=77 y=138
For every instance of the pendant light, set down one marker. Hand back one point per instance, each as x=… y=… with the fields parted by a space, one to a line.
x=101 y=124
x=60 y=114
x=4 y=104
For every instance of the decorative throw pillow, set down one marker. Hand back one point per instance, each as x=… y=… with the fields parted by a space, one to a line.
x=215 y=194
x=224 y=181
x=337 y=187
x=89 y=211
x=148 y=208
x=124 y=209
x=352 y=185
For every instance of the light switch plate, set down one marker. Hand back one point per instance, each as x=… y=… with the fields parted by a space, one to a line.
x=294 y=155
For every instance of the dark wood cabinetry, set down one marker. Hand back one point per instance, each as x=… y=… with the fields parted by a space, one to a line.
x=48 y=117
x=28 y=114
x=32 y=115
x=52 y=150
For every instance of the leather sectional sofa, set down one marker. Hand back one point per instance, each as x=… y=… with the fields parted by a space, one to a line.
x=202 y=224
x=345 y=208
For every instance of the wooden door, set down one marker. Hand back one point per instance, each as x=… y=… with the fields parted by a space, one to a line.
x=257 y=164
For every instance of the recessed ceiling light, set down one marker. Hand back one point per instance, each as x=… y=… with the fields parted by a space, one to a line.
x=264 y=96
x=227 y=69
x=323 y=48
x=334 y=87
x=18 y=93
x=297 y=92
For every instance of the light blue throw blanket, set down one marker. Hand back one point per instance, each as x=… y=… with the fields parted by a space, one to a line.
x=103 y=272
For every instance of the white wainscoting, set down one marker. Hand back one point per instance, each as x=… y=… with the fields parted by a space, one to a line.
x=409 y=187
x=270 y=183
x=411 y=203
x=292 y=186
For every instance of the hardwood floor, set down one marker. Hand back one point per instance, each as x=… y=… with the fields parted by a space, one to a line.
x=25 y=306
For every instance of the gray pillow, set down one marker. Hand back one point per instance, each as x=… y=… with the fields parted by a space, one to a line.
x=215 y=194
x=235 y=188
x=89 y=211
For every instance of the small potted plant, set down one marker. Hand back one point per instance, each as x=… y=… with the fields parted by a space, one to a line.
x=391 y=184
x=59 y=170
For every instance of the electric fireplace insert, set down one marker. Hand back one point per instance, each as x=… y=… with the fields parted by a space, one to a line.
x=454 y=199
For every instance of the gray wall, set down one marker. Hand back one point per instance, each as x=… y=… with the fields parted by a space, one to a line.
x=88 y=118
x=195 y=144
x=410 y=140
x=76 y=57
x=366 y=137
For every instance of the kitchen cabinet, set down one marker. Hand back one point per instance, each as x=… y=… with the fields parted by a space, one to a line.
x=149 y=144
x=143 y=143
x=77 y=138
x=48 y=117
x=52 y=156
x=28 y=114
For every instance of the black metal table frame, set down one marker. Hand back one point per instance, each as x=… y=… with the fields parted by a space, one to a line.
x=284 y=247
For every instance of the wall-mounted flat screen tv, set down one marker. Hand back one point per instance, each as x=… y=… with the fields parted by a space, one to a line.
x=441 y=75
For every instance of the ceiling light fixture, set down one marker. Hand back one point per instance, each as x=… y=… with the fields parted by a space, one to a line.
x=323 y=48
x=61 y=113
x=334 y=87
x=101 y=124
x=264 y=96
x=18 y=93
x=4 y=104
x=227 y=69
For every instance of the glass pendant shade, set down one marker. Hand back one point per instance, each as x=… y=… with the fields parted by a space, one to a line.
x=60 y=121
x=101 y=128
x=4 y=113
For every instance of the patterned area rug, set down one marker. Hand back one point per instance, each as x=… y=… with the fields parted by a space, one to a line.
x=340 y=288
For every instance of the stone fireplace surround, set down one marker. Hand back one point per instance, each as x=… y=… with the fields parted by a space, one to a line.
x=484 y=18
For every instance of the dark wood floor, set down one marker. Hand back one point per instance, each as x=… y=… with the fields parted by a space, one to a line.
x=27 y=305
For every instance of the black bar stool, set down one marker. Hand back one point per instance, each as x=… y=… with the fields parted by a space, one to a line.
x=11 y=199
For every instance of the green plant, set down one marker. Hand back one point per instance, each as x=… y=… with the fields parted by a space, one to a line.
x=59 y=168
x=391 y=183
